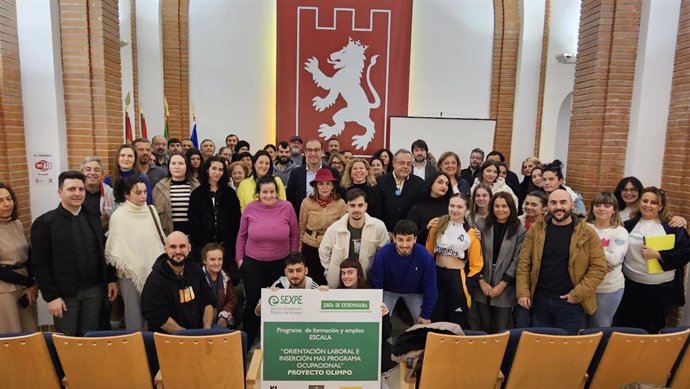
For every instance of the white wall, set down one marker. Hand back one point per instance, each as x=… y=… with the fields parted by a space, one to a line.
x=652 y=90
x=126 y=62
x=232 y=82
x=451 y=56
x=527 y=83
x=560 y=78
x=150 y=64
x=38 y=29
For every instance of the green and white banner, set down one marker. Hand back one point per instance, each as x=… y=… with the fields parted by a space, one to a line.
x=321 y=339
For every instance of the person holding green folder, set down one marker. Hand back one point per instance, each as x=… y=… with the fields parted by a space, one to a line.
x=650 y=293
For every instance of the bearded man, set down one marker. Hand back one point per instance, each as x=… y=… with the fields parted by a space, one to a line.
x=176 y=295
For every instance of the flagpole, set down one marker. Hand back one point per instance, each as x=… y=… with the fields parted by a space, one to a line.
x=167 y=113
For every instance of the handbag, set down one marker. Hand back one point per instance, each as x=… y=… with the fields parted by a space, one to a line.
x=158 y=227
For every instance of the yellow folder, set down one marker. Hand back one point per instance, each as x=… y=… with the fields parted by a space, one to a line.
x=658 y=243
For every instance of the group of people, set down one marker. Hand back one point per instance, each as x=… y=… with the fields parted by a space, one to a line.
x=189 y=237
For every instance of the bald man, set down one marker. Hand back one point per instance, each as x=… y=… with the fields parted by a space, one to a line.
x=561 y=264
x=176 y=295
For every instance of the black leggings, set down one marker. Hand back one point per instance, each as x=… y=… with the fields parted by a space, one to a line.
x=255 y=276
x=452 y=300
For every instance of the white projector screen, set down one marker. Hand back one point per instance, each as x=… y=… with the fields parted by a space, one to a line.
x=443 y=134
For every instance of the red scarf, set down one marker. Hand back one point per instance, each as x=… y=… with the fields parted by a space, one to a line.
x=323 y=203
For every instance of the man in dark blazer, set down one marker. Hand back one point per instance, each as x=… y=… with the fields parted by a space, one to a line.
x=298 y=187
x=68 y=262
x=399 y=189
x=423 y=164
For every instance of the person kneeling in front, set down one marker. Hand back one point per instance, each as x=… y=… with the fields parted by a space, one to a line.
x=405 y=269
x=176 y=295
x=295 y=277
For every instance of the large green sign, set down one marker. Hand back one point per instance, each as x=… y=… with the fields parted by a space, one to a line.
x=326 y=339
x=344 y=351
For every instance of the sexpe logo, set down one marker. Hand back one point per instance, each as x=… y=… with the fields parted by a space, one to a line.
x=284 y=300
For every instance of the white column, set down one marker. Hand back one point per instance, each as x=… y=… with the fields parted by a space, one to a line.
x=527 y=82
x=232 y=75
x=560 y=79
x=652 y=90
x=150 y=64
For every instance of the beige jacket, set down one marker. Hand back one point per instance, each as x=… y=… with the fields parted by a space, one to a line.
x=335 y=246
x=315 y=220
x=161 y=200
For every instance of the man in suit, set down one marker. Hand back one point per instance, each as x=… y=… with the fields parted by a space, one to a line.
x=299 y=187
x=399 y=189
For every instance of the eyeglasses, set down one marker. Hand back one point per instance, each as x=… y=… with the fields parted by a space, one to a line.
x=629 y=190
x=312 y=150
x=336 y=163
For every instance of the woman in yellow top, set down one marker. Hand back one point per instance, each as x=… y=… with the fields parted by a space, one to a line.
x=261 y=166
x=459 y=260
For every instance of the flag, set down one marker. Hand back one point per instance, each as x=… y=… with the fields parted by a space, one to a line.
x=165 y=132
x=335 y=54
x=167 y=113
x=194 y=137
x=128 y=129
x=144 y=131
x=128 y=123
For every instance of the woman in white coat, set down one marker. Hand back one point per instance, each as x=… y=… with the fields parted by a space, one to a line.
x=135 y=240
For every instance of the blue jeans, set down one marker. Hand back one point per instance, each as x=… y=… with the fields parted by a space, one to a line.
x=553 y=311
x=412 y=300
x=607 y=304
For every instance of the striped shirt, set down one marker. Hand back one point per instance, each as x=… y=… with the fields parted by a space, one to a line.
x=179 y=200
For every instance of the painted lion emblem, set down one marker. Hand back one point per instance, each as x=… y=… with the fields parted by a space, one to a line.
x=346 y=82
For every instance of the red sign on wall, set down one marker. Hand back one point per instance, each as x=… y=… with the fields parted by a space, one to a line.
x=342 y=70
